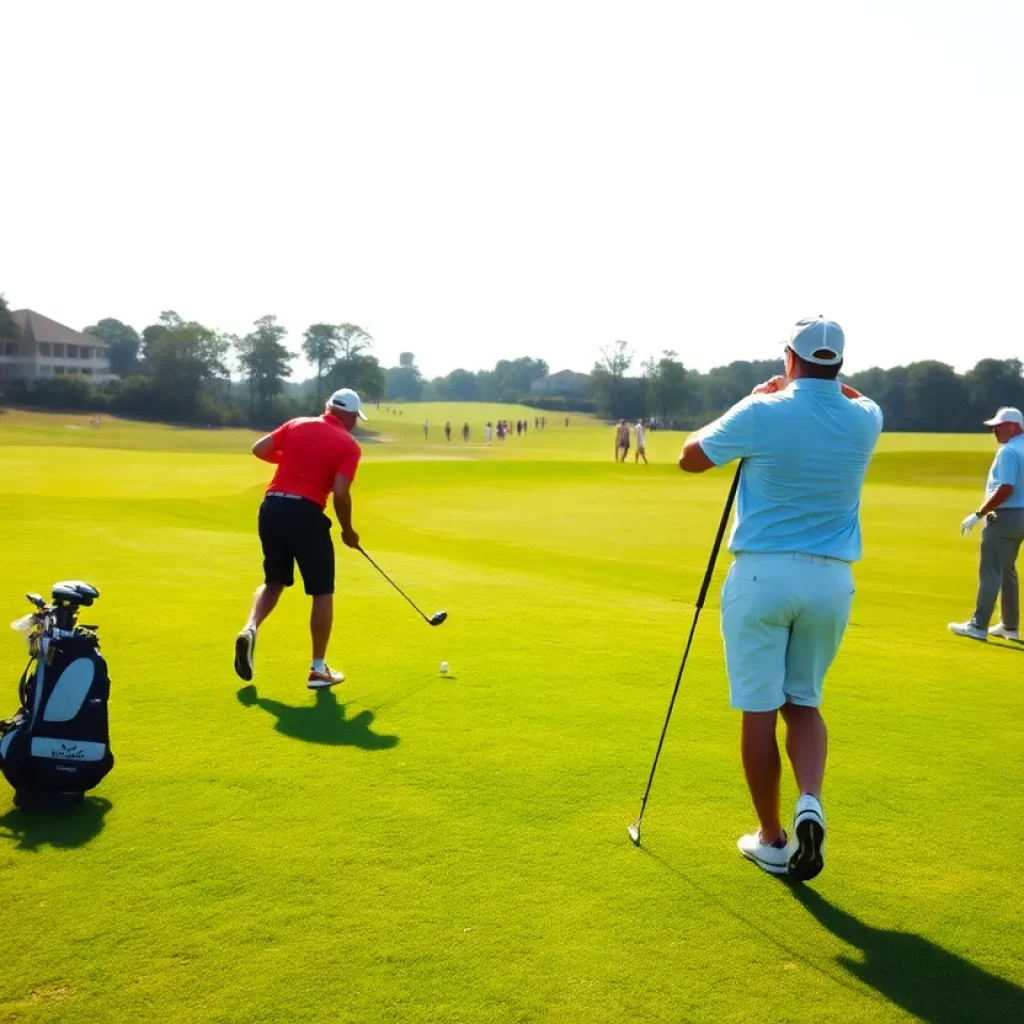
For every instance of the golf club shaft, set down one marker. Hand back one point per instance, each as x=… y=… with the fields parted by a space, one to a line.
x=393 y=583
x=693 y=629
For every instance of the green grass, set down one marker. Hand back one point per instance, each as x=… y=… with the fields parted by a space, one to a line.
x=422 y=848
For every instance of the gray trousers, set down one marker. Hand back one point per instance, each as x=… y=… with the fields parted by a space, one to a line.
x=997 y=573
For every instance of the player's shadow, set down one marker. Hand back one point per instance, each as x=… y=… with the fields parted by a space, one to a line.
x=63 y=829
x=323 y=721
x=924 y=979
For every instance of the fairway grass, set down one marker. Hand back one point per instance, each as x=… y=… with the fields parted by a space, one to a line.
x=413 y=847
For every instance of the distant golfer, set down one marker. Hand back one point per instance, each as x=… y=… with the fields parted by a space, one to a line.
x=806 y=441
x=447 y=430
x=621 y=441
x=316 y=457
x=1002 y=534
x=426 y=429
x=641 y=443
x=465 y=432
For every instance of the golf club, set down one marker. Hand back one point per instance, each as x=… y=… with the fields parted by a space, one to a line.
x=634 y=829
x=434 y=620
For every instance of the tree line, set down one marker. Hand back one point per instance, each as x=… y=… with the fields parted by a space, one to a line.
x=926 y=396
x=182 y=371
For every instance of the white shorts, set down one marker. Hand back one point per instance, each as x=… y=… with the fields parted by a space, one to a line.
x=783 y=618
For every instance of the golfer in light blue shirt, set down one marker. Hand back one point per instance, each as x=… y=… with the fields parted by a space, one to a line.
x=805 y=440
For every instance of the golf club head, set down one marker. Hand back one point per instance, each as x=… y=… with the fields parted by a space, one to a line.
x=634 y=833
x=437 y=618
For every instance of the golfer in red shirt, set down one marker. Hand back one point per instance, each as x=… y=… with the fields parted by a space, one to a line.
x=316 y=456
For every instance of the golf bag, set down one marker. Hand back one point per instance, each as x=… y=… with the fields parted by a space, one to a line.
x=57 y=746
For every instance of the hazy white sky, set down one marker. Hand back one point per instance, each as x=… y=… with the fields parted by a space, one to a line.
x=478 y=180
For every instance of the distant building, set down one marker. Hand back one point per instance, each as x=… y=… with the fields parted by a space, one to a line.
x=406 y=359
x=565 y=383
x=49 y=349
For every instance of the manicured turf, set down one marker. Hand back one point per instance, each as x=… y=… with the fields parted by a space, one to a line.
x=425 y=848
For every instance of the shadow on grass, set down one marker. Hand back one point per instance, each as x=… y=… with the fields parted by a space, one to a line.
x=61 y=829
x=907 y=970
x=322 y=722
x=924 y=979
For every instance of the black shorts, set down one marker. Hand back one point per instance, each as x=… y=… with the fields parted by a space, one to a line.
x=296 y=530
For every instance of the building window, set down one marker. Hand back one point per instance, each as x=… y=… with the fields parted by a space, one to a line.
x=44 y=349
x=12 y=348
x=72 y=351
x=58 y=371
x=86 y=371
x=85 y=352
x=58 y=351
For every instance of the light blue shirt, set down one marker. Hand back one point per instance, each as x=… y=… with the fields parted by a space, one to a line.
x=1008 y=468
x=806 y=450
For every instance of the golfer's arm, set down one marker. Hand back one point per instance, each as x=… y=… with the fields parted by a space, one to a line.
x=343 y=502
x=264 y=449
x=693 y=459
x=999 y=496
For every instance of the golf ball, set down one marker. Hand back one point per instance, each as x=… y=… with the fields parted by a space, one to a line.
x=444 y=667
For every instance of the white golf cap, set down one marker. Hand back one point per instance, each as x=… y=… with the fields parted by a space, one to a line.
x=1006 y=415
x=818 y=341
x=348 y=401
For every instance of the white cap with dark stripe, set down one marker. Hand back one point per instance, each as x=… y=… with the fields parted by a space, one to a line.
x=348 y=401
x=818 y=341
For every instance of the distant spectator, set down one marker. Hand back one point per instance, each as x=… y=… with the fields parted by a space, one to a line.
x=621 y=441
x=465 y=432
x=447 y=430
x=641 y=443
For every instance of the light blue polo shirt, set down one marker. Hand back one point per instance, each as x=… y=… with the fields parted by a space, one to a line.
x=1008 y=468
x=806 y=450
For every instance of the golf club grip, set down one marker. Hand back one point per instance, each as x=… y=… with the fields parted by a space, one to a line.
x=726 y=512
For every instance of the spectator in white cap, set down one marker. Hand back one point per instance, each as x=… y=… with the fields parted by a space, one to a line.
x=1002 y=534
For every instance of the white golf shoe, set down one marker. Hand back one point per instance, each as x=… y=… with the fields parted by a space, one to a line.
x=328 y=677
x=1003 y=633
x=773 y=859
x=969 y=630
x=809 y=832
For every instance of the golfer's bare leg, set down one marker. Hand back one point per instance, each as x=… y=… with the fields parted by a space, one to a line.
x=263 y=603
x=806 y=746
x=763 y=768
x=321 y=619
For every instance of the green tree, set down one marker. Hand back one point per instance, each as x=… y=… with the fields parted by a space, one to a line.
x=991 y=384
x=320 y=347
x=667 y=386
x=265 y=362
x=353 y=342
x=9 y=330
x=458 y=386
x=181 y=357
x=123 y=344
x=936 y=397
x=607 y=376
x=403 y=383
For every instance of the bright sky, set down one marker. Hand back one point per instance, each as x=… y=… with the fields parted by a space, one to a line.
x=472 y=181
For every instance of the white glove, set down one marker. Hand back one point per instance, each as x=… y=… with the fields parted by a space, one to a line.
x=969 y=524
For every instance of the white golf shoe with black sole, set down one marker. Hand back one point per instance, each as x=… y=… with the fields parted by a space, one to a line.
x=808 y=858
x=773 y=859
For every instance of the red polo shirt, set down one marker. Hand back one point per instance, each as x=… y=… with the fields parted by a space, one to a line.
x=311 y=451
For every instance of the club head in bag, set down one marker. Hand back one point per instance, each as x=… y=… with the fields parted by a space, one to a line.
x=437 y=618
x=634 y=833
